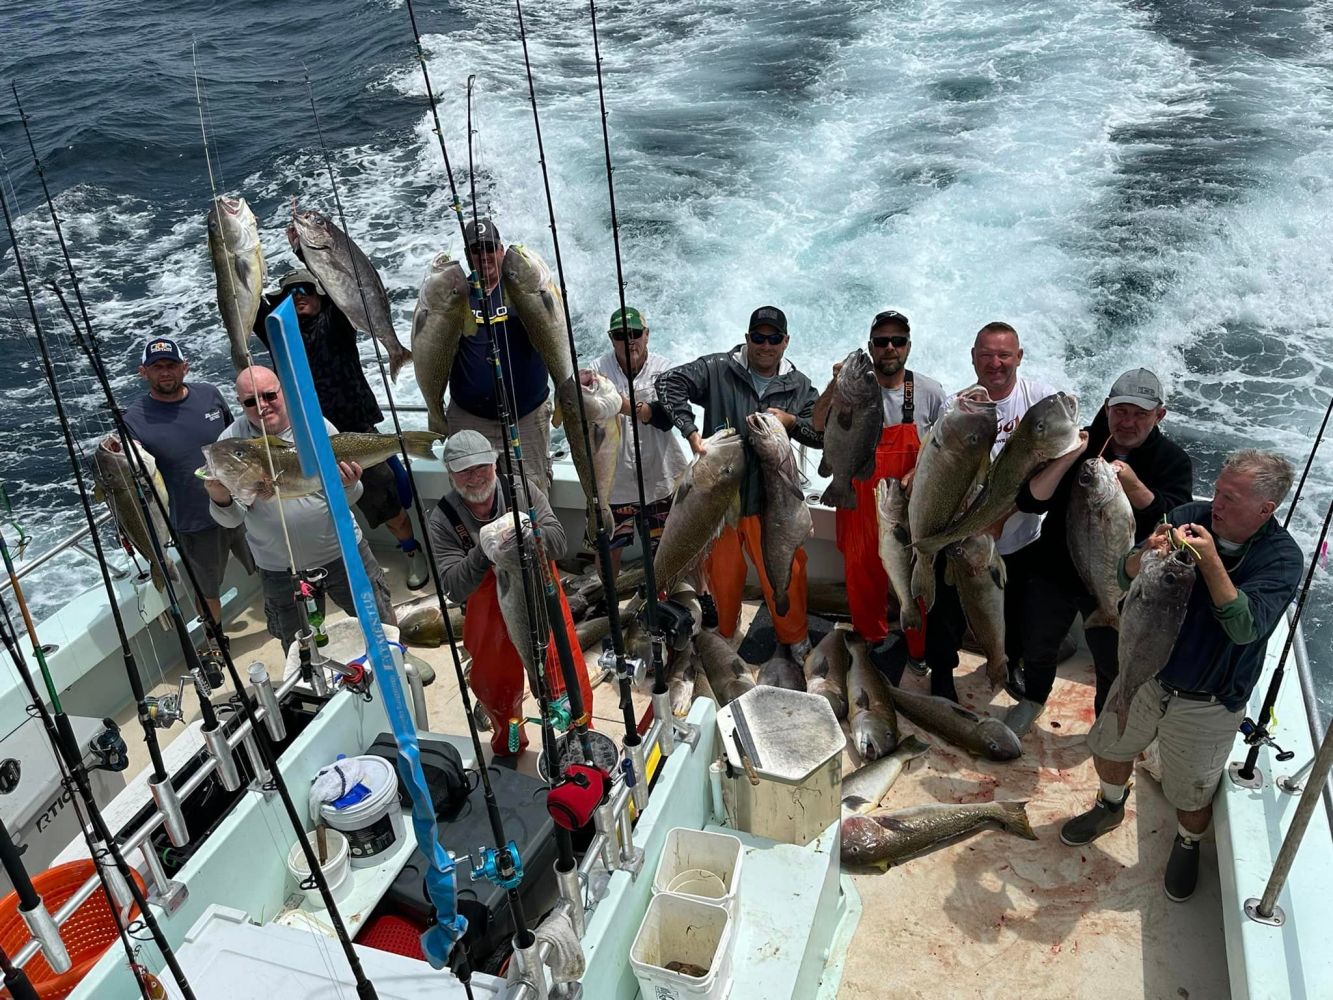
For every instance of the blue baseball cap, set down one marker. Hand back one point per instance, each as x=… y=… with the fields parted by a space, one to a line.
x=161 y=349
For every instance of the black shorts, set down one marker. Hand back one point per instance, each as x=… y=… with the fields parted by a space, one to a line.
x=206 y=552
x=626 y=529
x=379 y=495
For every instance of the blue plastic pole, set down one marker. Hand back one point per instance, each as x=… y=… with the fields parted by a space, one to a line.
x=316 y=454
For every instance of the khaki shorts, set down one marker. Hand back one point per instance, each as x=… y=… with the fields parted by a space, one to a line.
x=534 y=434
x=1195 y=739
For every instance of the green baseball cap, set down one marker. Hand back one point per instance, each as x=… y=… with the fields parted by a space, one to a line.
x=632 y=319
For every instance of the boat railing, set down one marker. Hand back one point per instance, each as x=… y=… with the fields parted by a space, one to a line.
x=77 y=541
x=1293 y=783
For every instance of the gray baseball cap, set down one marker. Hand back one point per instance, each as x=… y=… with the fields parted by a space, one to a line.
x=1139 y=387
x=467 y=449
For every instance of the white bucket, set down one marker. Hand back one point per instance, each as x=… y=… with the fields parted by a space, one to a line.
x=336 y=867
x=375 y=824
x=677 y=929
x=701 y=865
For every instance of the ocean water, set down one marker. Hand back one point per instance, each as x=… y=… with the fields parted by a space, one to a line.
x=1128 y=183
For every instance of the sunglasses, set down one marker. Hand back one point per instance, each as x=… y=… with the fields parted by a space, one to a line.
x=897 y=341
x=622 y=335
x=303 y=289
x=767 y=338
x=249 y=401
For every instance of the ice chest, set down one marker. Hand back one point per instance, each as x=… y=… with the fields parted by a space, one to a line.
x=792 y=744
x=679 y=936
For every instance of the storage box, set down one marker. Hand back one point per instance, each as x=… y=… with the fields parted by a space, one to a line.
x=793 y=744
x=677 y=929
x=701 y=865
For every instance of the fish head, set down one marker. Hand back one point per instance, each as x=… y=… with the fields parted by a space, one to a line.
x=998 y=740
x=767 y=435
x=1097 y=478
x=1171 y=575
x=601 y=398
x=856 y=379
x=872 y=735
x=1051 y=425
x=238 y=463
x=974 y=553
x=723 y=463
x=314 y=229
x=524 y=272
x=967 y=429
x=112 y=468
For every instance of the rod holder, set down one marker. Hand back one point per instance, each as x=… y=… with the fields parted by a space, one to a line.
x=169 y=804
x=631 y=857
x=163 y=891
x=640 y=789
x=115 y=881
x=531 y=970
x=604 y=819
x=666 y=734
x=319 y=683
x=223 y=762
x=44 y=931
x=263 y=777
x=571 y=891
x=268 y=701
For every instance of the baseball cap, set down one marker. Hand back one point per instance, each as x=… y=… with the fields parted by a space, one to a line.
x=633 y=320
x=300 y=277
x=769 y=316
x=481 y=233
x=161 y=349
x=890 y=316
x=1139 y=387
x=466 y=449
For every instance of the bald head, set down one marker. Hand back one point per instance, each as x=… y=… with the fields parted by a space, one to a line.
x=260 y=395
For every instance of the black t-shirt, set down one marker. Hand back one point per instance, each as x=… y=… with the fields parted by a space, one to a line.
x=175 y=434
x=335 y=364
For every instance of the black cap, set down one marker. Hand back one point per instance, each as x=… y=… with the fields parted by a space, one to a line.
x=161 y=349
x=768 y=316
x=481 y=233
x=890 y=316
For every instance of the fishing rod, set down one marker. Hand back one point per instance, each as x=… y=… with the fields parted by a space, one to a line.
x=16 y=980
x=1309 y=461
x=661 y=699
x=56 y=722
x=31 y=907
x=1256 y=732
x=92 y=826
x=365 y=990
x=506 y=864
x=624 y=668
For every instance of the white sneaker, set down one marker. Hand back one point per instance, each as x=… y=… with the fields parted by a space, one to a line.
x=417 y=576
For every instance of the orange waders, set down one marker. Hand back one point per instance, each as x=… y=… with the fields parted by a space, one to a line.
x=725 y=572
x=858 y=534
x=498 y=678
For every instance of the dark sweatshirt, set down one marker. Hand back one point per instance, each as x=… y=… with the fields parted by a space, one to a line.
x=1220 y=650
x=1162 y=465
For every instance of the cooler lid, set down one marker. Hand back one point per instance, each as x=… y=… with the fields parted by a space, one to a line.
x=786 y=735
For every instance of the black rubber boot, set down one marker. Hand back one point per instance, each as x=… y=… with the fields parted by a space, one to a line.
x=1182 y=870
x=1101 y=818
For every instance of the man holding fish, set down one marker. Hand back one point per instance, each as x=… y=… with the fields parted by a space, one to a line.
x=1096 y=509
x=911 y=403
x=1191 y=650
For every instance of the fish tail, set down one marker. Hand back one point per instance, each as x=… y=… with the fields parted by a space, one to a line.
x=396 y=362
x=1014 y=818
x=912 y=746
x=781 y=602
x=909 y=614
x=923 y=580
x=420 y=444
x=839 y=493
x=997 y=669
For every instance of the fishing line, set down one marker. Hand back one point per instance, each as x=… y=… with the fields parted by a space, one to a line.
x=645 y=534
x=624 y=670
x=1309 y=461
x=365 y=989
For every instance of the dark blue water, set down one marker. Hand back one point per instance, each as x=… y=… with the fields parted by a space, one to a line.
x=1127 y=182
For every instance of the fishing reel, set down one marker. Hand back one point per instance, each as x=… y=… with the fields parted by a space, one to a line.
x=108 y=748
x=499 y=866
x=675 y=624
x=164 y=711
x=635 y=669
x=573 y=799
x=558 y=714
x=1256 y=735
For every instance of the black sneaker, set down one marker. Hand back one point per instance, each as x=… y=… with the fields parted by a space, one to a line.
x=889 y=657
x=707 y=611
x=1182 y=870
x=1102 y=818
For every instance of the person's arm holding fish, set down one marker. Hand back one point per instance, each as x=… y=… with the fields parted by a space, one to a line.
x=1034 y=496
x=461 y=570
x=677 y=388
x=800 y=423
x=819 y=415
x=1163 y=537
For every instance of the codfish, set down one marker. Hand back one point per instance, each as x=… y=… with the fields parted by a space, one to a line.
x=421 y=624
x=601 y=408
x=890 y=838
x=786 y=516
x=871 y=718
x=238 y=263
x=115 y=484
x=852 y=430
x=989 y=738
x=1099 y=527
x=441 y=319
x=978 y=573
x=895 y=548
x=709 y=489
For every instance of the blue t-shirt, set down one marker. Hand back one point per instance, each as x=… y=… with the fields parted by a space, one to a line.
x=175 y=434
x=472 y=382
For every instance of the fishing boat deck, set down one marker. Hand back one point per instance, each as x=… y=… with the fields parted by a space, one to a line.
x=993 y=915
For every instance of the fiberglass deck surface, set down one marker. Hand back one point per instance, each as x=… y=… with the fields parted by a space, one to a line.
x=992 y=916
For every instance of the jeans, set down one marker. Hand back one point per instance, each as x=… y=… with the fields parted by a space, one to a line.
x=1049 y=607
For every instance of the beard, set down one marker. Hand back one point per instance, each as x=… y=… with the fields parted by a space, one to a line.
x=478 y=494
x=888 y=366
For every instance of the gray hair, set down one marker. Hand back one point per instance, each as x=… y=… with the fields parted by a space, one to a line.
x=1272 y=473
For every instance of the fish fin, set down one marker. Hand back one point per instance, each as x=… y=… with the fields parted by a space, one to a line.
x=966 y=713
x=1100 y=619
x=1015 y=819
x=911 y=747
x=909 y=615
x=396 y=362
x=839 y=493
x=997 y=574
x=557 y=414
x=844 y=418
x=420 y=444
x=901 y=535
x=856 y=804
x=923 y=580
x=867 y=470
x=1121 y=712
x=825 y=469
x=98 y=493
x=997 y=671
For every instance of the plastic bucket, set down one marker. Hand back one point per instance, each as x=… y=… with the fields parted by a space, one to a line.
x=701 y=865
x=375 y=824
x=681 y=936
x=336 y=868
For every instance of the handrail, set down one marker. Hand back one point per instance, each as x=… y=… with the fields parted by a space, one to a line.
x=70 y=542
x=1313 y=715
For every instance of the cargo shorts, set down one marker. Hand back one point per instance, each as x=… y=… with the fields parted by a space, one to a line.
x=1195 y=739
